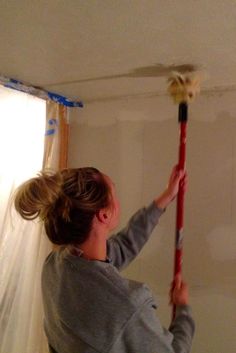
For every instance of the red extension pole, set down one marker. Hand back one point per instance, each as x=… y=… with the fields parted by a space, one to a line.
x=183 y=117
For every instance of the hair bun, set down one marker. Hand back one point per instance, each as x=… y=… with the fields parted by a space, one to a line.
x=37 y=196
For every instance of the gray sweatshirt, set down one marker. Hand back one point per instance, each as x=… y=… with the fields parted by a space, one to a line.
x=90 y=308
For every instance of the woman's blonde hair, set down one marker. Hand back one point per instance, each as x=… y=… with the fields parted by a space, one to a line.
x=65 y=201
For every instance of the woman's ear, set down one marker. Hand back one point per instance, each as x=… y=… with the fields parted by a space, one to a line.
x=103 y=216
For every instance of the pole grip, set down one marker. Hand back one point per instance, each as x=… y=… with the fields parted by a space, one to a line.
x=183 y=112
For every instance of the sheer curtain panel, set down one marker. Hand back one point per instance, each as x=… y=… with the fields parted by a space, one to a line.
x=23 y=246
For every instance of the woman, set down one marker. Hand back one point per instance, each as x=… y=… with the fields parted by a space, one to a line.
x=89 y=307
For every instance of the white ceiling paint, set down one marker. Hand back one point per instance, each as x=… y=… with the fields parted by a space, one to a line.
x=55 y=44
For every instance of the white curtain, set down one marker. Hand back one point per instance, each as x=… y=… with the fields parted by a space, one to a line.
x=23 y=244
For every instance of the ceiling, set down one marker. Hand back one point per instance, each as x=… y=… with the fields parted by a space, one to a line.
x=106 y=49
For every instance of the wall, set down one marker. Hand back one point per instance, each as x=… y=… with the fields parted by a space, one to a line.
x=135 y=141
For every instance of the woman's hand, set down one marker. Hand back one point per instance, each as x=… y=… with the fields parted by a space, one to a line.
x=179 y=294
x=177 y=178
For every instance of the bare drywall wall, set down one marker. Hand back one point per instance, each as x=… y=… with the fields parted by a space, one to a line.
x=136 y=143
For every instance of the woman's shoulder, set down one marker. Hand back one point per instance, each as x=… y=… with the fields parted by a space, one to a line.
x=136 y=292
x=98 y=279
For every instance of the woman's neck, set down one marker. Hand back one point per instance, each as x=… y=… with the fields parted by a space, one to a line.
x=94 y=247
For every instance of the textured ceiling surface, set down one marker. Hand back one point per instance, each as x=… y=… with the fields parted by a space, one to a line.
x=108 y=49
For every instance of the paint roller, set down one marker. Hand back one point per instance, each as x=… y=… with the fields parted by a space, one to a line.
x=183 y=88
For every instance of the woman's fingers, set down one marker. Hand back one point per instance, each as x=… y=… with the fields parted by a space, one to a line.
x=179 y=291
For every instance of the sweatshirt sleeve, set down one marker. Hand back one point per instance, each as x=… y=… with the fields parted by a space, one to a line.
x=124 y=246
x=144 y=333
x=182 y=328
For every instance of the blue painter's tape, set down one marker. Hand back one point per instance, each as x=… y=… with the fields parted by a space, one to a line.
x=50 y=132
x=53 y=121
x=63 y=100
x=38 y=92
